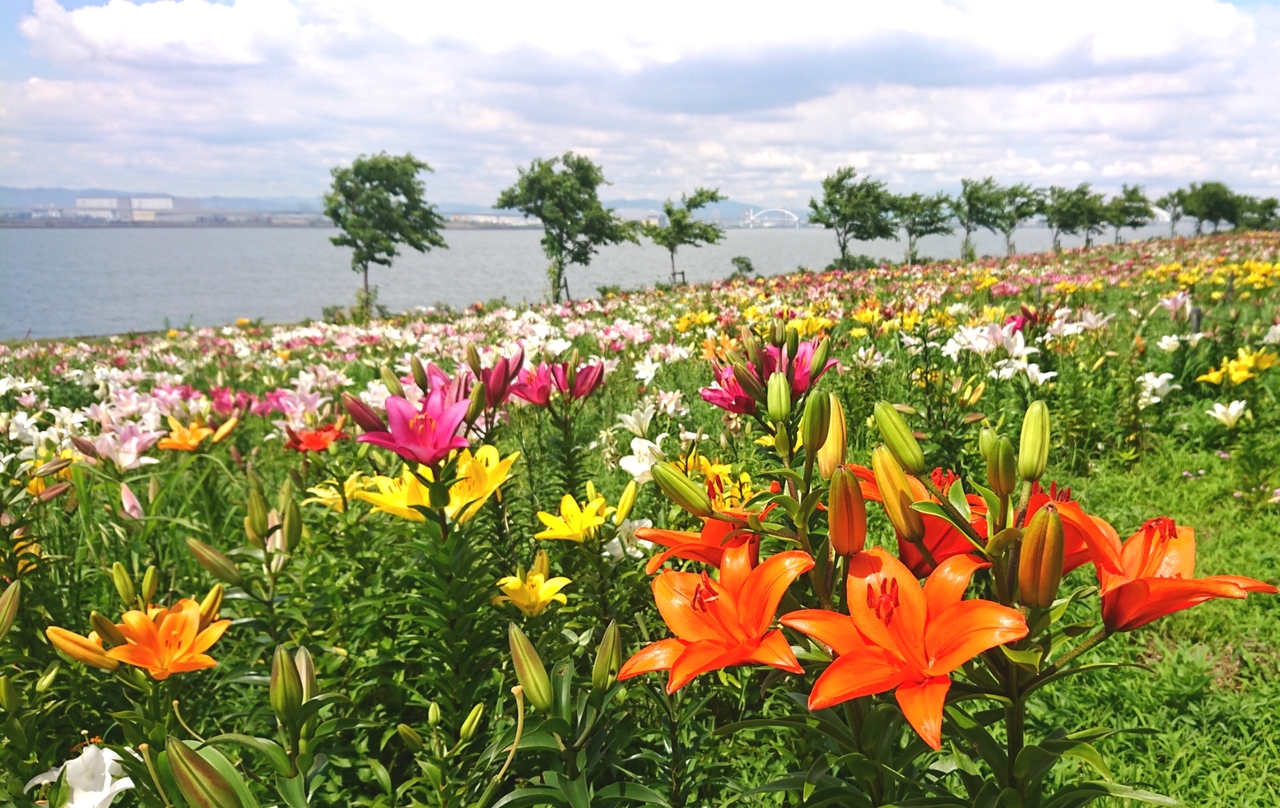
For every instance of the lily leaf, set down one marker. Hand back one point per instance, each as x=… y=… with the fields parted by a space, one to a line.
x=1028 y=659
x=955 y=495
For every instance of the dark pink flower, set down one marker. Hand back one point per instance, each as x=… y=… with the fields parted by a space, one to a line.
x=500 y=379
x=425 y=435
x=534 y=385
x=727 y=394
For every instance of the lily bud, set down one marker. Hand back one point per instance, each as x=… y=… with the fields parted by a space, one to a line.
x=210 y=606
x=81 y=649
x=897 y=496
x=9 y=606
x=608 y=658
x=222 y=431
x=897 y=436
x=793 y=342
x=1002 y=467
x=846 y=514
x=683 y=491
x=778 y=396
x=153 y=489
x=10 y=700
x=476 y=407
x=363 y=414
x=291 y=526
x=419 y=374
x=52 y=467
x=285 y=688
x=391 y=381
x=473 y=359
x=832 y=454
x=541 y=565
x=53 y=492
x=106 y=629
x=625 y=503
x=1040 y=564
x=256 y=522
x=85 y=446
x=214 y=562
x=778 y=337
x=530 y=672
x=986 y=441
x=150 y=582
x=748 y=382
x=471 y=723
x=817 y=422
x=433 y=715
x=410 y=737
x=124 y=585
x=1033 y=447
x=819 y=360
x=751 y=346
x=198 y=781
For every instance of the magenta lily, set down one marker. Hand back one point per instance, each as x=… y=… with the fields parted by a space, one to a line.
x=499 y=380
x=424 y=436
x=534 y=385
x=727 y=394
x=587 y=380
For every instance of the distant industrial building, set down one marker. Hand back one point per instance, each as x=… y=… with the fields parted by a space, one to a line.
x=136 y=208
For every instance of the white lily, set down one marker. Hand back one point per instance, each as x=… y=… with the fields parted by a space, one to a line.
x=1229 y=415
x=94 y=779
x=637 y=421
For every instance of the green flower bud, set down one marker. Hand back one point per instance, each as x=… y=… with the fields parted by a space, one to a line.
x=897 y=496
x=471 y=723
x=683 y=491
x=748 y=381
x=433 y=715
x=9 y=607
x=530 y=672
x=150 y=582
x=819 y=360
x=817 y=422
x=832 y=454
x=473 y=359
x=897 y=436
x=476 y=407
x=124 y=585
x=608 y=658
x=200 y=784
x=751 y=346
x=419 y=374
x=778 y=396
x=1002 y=467
x=1040 y=563
x=256 y=522
x=411 y=738
x=292 y=526
x=986 y=441
x=214 y=562
x=106 y=629
x=10 y=699
x=307 y=674
x=793 y=343
x=285 y=688
x=1033 y=447
x=391 y=381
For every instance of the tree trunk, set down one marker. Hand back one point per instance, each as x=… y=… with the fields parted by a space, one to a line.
x=1117 y=235
x=1173 y=227
x=367 y=302
x=673 y=267
x=1008 y=243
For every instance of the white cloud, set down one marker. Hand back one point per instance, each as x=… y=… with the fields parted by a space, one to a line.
x=262 y=96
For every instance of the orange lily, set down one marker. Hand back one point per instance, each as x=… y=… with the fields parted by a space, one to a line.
x=1084 y=535
x=721 y=623
x=184 y=438
x=167 y=641
x=943 y=539
x=709 y=546
x=1157 y=577
x=902 y=636
x=82 y=649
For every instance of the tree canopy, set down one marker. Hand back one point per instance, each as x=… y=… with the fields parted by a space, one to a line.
x=1130 y=208
x=977 y=206
x=563 y=193
x=919 y=215
x=1017 y=204
x=682 y=229
x=853 y=209
x=379 y=203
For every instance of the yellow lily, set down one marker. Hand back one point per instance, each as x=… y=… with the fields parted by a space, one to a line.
x=479 y=476
x=1214 y=376
x=575 y=522
x=185 y=438
x=327 y=493
x=398 y=497
x=532 y=592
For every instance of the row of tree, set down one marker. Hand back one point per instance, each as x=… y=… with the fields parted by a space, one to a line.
x=379 y=203
x=865 y=210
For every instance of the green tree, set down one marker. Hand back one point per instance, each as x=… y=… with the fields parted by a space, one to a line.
x=1174 y=204
x=1018 y=203
x=1069 y=211
x=977 y=206
x=682 y=229
x=919 y=215
x=859 y=210
x=1130 y=208
x=1257 y=214
x=1210 y=202
x=563 y=193
x=379 y=203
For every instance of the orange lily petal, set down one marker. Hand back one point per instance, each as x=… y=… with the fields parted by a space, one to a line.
x=887 y=603
x=837 y=631
x=967 y=629
x=849 y=677
x=702 y=657
x=658 y=656
x=1137 y=603
x=212 y=633
x=764 y=588
x=922 y=704
x=673 y=592
x=946 y=585
x=774 y=650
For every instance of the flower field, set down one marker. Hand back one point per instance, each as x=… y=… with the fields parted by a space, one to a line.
x=994 y=534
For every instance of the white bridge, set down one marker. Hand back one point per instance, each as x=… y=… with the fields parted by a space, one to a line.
x=773 y=217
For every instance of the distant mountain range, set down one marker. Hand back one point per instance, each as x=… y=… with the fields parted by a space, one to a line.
x=66 y=198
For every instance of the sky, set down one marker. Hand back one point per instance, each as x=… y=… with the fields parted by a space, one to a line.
x=762 y=100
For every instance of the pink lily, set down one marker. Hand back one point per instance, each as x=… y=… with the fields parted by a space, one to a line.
x=587 y=380
x=534 y=385
x=423 y=436
x=500 y=379
x=727 y=394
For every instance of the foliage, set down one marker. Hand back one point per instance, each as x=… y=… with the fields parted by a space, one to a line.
x=379 y=203
x=562 y=193
x=860 y=210
x=682 y=229
x=1018 y=203
x=977 y=206
x=919 y=215
x=1130 y=209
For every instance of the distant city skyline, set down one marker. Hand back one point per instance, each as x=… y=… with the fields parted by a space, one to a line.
x=259 y=98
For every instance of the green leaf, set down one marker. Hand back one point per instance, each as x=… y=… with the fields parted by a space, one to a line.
x=380 y=774
x=1027 y=659
x=293 y=790
x=816 y=772
x=278 y=758
x=955 y=495
x=522 y=797
x=631 y=791
x=1080 y=794
x=223 y=766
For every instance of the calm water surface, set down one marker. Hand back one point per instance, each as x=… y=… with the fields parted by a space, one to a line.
x=72 y=282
